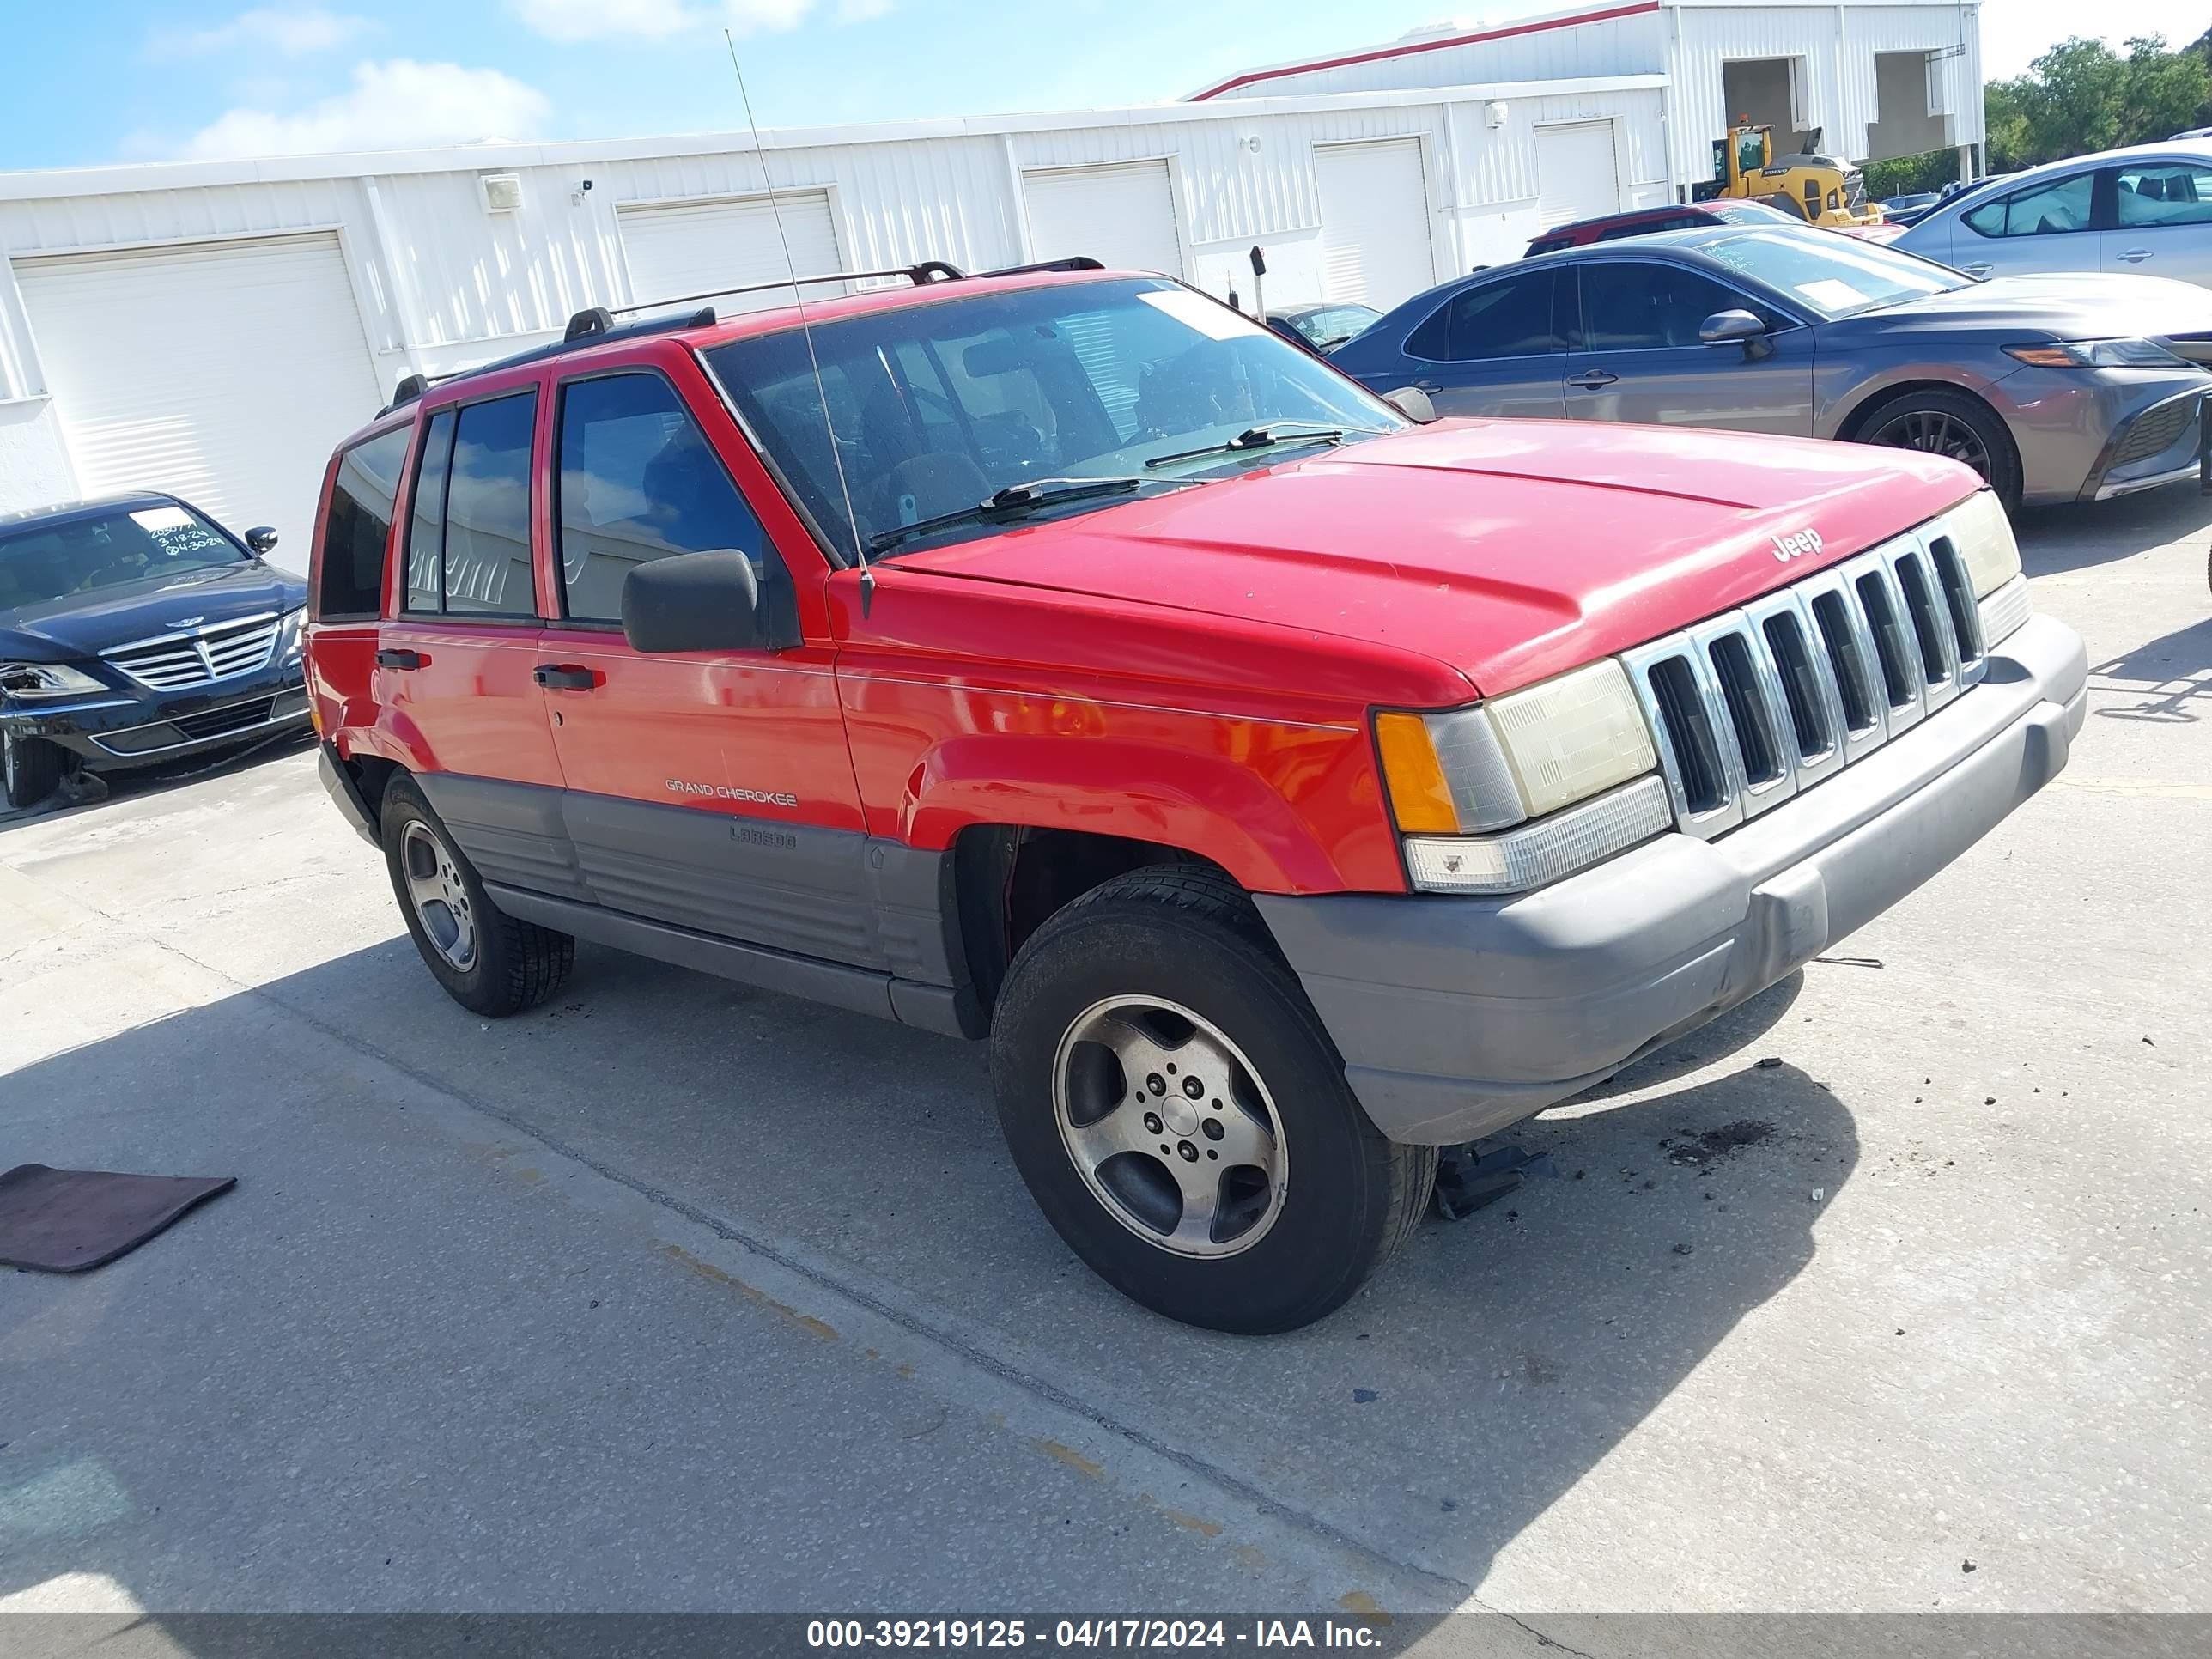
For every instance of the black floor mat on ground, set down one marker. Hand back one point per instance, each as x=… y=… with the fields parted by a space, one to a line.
x=63 y=1221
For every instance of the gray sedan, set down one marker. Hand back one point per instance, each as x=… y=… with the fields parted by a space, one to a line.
x=2053 y=388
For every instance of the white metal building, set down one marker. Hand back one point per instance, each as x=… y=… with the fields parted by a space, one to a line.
x=1878 y=81
x=214 y=328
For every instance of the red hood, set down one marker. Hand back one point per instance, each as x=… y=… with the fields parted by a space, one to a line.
x=1510 y=549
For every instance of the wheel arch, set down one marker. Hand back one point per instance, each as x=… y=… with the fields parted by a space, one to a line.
x=1856 y=413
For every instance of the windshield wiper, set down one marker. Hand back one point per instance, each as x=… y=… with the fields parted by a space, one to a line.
x=1275 y=431
x=1011 y=502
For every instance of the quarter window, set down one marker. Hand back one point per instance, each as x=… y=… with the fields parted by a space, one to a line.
x=357 y=528
x=639 y=482
x=2163 y=193
x=2062 y=204
x=1643 y=305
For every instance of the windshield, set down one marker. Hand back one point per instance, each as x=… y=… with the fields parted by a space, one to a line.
x=940 y=406
x=1333 y=325
x=1831 y=276
x=52 y=560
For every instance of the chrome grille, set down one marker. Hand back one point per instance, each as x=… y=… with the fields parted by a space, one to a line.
x=200 y=656
x=1752 y=707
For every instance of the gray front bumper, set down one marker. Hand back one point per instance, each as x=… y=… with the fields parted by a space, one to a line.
x=1456 y=1017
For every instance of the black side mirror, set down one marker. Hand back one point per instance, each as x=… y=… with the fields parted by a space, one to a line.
x=694 y=602
x=1736 y=328
x=261 y=538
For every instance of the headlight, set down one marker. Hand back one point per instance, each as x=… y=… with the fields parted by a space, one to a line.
x=2097 y=354
x=1978 y=527
x=28 y=682
x=1470 y=771
x=291 y=633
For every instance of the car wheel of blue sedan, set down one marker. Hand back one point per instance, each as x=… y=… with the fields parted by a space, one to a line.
x=1950 y=423
x=29 y=767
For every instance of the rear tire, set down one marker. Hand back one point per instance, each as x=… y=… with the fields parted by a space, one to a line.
x=488 y=961
x=1935 y=421
x=29 y=767
x=1174 y=962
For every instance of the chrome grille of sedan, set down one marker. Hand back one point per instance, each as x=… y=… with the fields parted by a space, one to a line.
x=200 y=656
x=1752 y=707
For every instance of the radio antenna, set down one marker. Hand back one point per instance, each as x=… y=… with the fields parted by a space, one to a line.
x=806 y=330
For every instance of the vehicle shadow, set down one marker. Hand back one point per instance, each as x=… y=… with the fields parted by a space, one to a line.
x=1430 y=1421
x=144 y=783
x=2055 y=539
x=2167 y=676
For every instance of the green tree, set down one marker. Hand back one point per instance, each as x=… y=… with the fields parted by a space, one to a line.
x=2081 y=95
x=2163 y=90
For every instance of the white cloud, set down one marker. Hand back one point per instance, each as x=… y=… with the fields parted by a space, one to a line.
x=657 y=20
x=394 y=105
x=293 y=33
x=862 y=11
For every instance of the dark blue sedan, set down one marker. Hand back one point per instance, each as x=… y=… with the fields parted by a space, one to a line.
x=2055 y=388
x=134 y=630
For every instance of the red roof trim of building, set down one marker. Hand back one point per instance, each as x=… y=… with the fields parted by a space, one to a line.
x=1407 y=49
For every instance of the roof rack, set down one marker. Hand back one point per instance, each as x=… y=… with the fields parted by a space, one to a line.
x=596 y=325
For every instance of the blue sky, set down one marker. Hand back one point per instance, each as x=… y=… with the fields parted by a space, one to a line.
x=97 y=81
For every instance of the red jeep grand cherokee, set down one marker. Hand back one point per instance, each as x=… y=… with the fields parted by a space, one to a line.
x=1284 y=790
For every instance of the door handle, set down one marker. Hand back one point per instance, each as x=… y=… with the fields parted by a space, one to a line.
x=1979 y=268
x=1430 y=387
x=564 y=677
x=1591 y=379
x=2136 y=256
x=399 y=660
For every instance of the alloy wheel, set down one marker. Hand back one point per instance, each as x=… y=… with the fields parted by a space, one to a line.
x=1935 y=433
x=440 y=896
x=1169 y=1126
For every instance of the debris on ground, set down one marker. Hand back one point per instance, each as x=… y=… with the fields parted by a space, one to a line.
x=1361 y=1396
x=1469 y=1180
x=1850 y=961
x=1770 y=1062
x=1702 y=1149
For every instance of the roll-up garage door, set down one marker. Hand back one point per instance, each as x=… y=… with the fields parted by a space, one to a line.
x=1374 y=222
x=225 y=372
x=696 y=247
x=1123 y=215
x=1576 y=176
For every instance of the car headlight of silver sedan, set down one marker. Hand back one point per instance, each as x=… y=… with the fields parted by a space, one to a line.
x=2097 y=354
x=33 y=681
x=1510 y=794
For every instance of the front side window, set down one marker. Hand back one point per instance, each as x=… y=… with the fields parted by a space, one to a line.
x=1638 y=305
x=930 y=409
x=638 y=481
x=2047 y=209
x=2163 y=193
x=358 y=527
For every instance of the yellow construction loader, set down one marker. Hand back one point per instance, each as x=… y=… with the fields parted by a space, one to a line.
x=1818 y=189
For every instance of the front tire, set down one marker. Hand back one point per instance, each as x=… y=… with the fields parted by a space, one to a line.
x=488 y=961
x=1160 y=1078
x=30 y=767
x=1937 y=421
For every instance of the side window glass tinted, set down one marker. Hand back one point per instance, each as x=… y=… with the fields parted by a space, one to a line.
x=638 y=481
x=1631 y=305
x=1433 y=339
x=1508 y=318
x=358 y=529
x=426 y=524
x=488 y=510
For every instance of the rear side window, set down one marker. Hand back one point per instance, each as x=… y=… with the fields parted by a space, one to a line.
x=1512 y=317
x=468 y=539
x=2062 y=205
x=2163 y=193
x=358 y=529
x=639 y=482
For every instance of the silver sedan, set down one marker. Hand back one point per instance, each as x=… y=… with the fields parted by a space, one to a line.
x=2058 y=388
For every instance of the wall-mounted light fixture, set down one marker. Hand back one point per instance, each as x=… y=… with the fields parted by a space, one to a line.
x=1493 y=113
x=501 y=191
